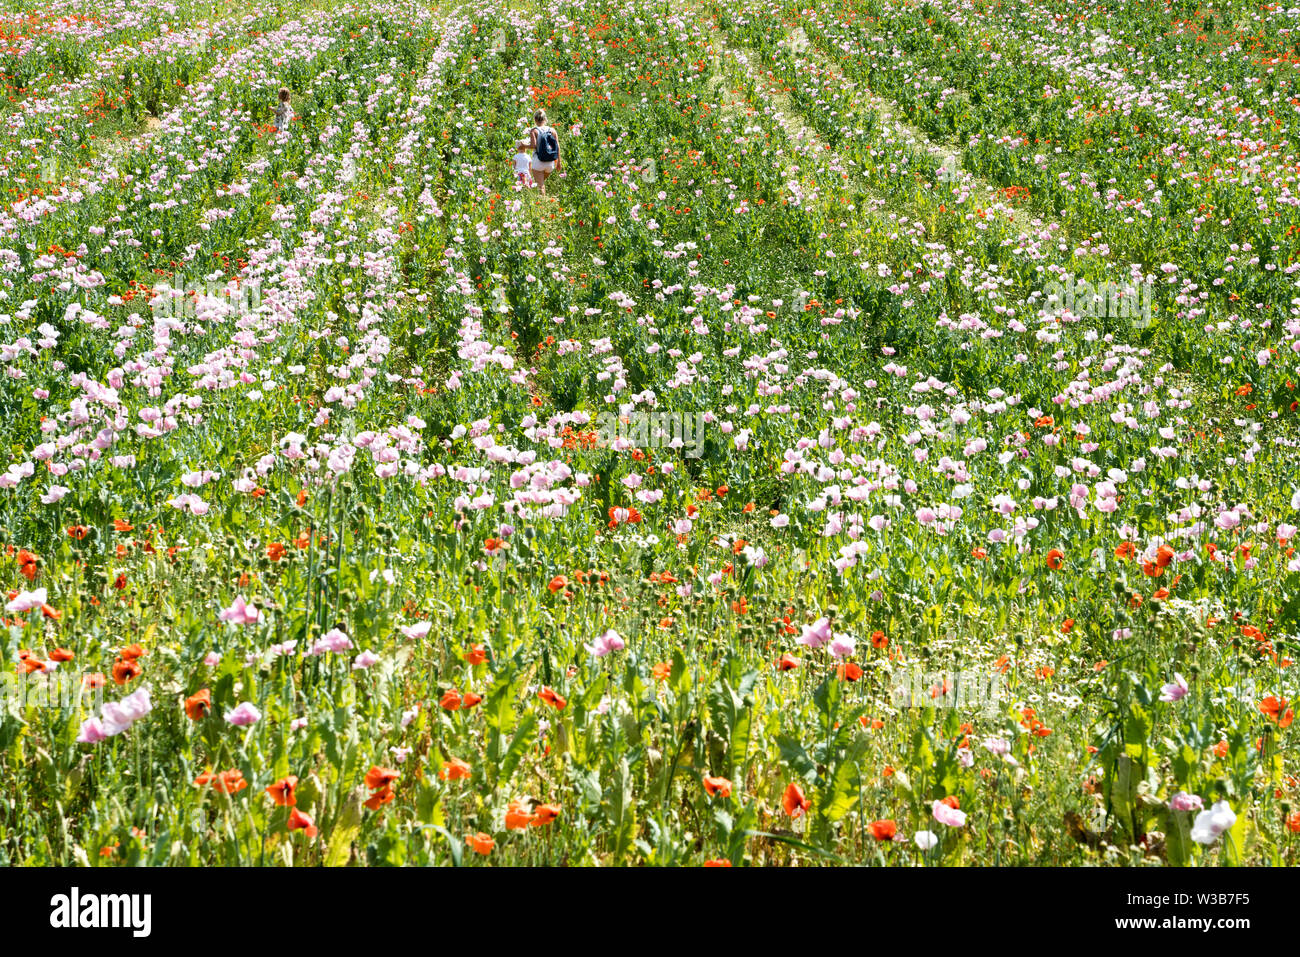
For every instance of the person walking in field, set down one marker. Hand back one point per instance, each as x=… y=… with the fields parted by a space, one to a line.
x=283 y=111
x=523 y=162
x=546 y=149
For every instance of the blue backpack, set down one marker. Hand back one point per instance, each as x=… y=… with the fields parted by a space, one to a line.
x=548 y=147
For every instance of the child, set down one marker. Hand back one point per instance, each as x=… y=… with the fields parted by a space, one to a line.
x=522 y=161
x=283 y=111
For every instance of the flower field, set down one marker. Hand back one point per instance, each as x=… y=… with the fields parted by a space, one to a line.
x=880 y=445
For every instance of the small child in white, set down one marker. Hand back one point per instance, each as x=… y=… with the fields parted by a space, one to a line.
x=283 y=111
x=522 y=160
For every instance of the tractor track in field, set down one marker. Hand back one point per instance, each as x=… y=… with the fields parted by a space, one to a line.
x=123 y=144
x=738 y=61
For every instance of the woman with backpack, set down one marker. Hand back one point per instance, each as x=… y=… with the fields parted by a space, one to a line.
x=546 y=149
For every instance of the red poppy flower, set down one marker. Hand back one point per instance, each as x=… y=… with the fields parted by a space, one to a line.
x=883 y=830
x=544 y=814
x=378 y=777
x=517 y=817
x=794 y=801
x=124 y=669
x=199 y=705
x=1277 y=711
x=302 y=822
x=224 y=782
x=454 y=770
x=556 y=701
x=719 y=787
x=284 y=791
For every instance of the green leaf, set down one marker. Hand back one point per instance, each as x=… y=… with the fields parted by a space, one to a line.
x=1178 y=837
x=1234 y=841
x=1123 y=795
x=588 y=784
x=519 y=743
x=827 y=696
x=428 y=807
x=620 y=810
x=499 y=709
x=922 y=751
x=901 y=780
x=1138 y=725
x=724 y=706
x=453 y=843
x=346 y=828
x=678 y=678
x=738 y=748
x=794 y=755
x=838 y=798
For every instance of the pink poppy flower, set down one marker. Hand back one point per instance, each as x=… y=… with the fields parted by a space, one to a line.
x=605 y=643
x=92 y=732
x=951 y=816
x=240 y=612
x=417 y=631
x=1174 y=691
x=816 y=634
x=1182 y=801
x=245 y=714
